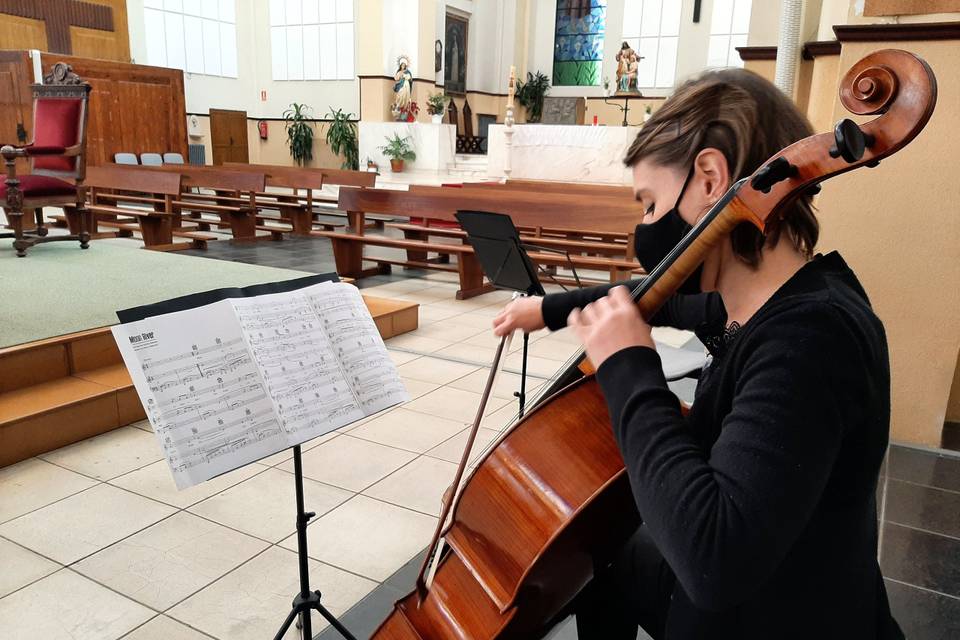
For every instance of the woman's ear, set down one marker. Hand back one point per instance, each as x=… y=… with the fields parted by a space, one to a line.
x=711 y=176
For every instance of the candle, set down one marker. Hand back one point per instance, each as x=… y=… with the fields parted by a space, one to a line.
x=512 y=85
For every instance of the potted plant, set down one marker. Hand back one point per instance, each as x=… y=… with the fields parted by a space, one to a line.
x=299 y=133
x=342 y=138
x=530 y=95
x=436 y=106
x=398 y=150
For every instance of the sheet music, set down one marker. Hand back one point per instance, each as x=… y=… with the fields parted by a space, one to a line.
x=202 y=392
x=231 y=382
x=359 y=347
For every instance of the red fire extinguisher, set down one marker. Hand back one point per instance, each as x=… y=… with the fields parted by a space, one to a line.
x=262 y=127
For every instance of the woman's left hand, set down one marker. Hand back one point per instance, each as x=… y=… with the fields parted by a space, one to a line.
x=609 y=325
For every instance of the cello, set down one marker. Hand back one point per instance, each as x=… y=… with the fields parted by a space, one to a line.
x=519 y=536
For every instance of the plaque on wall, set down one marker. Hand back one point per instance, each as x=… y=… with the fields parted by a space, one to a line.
x=563 y=110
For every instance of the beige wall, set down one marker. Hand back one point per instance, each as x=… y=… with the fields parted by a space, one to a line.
x=897 y=226
x=274 y=149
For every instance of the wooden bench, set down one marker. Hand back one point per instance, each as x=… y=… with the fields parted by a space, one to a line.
x=348 y=254
x=551 y=186
x=526 y=209
x=328 y=177
x=234 y=205
x=156 y=224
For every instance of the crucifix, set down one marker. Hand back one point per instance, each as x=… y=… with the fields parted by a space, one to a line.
x=59 y=16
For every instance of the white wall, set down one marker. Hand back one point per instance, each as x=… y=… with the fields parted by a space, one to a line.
x=400 y=31
x=254 y=71
x=490 y=41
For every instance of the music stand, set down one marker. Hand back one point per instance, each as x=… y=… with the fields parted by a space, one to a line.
x=306 y=599
x=496 y=243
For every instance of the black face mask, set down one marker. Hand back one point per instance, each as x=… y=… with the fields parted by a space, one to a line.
x=654 y=241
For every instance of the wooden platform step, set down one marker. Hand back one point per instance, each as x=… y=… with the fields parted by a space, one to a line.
x=61 y=390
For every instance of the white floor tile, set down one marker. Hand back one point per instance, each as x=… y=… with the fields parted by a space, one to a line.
x=482 y=356
x=417 y=388
x=84 y=523
x=67 y=606
x=21 y=567
x=507 y=383
x=156 y=481
x=448 y=330
x=454 y=404
x=110 y=454
x=452 y=449
x=418 y=486
x=401 y=357
x=265 y=505
x=287 y=454
x=35 y=483
x=435 y=370
x=164 y=628
x=368 y=537
x=408 y=430
x=171 y=560
x=251 y=602
x=418 y=344
x=351 y=463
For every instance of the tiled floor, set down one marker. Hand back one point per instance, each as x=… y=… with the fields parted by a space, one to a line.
x=96 y=543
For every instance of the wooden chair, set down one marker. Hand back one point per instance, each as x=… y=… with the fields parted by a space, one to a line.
x=57 y=158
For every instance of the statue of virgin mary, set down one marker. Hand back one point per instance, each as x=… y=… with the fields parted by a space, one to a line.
x=403 y=86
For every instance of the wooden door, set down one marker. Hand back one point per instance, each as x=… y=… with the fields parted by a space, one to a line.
x=228 y=136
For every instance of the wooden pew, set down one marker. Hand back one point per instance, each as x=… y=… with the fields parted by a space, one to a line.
x=526 y=209
x=156 y=223
x=331 y=177
x=235 y=205
x=551 y=186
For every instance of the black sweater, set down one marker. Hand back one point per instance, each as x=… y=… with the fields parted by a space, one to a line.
x=762 y=499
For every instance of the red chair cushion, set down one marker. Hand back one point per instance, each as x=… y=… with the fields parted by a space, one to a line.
x=57 y=124
x=39 y=187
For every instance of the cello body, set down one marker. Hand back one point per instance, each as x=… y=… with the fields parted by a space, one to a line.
x=551 y=500
x=557 y=483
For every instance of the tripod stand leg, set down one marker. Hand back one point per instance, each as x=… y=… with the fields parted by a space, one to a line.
x=306 y=600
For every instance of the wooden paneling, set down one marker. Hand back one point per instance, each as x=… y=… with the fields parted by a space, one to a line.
x=228 y=136
x=133 y=108
x=88 y=28
x=15 y=101
x=22 y=33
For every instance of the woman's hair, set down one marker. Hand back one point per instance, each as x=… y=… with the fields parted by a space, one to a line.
x=748 y=120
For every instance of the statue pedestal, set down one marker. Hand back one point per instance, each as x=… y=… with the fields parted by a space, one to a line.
x=434 y=144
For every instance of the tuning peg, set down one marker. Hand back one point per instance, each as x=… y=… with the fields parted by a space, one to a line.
x=849 y=141
x=772 y=173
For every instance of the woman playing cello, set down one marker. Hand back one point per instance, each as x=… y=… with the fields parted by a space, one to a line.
x=758 y=506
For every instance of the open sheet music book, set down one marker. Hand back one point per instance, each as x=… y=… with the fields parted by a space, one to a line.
x=230 y=382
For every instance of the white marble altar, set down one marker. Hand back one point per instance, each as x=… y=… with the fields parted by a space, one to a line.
x=565 y=153
x=434 y=144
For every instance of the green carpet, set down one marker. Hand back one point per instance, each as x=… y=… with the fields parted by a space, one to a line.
x=59 y=289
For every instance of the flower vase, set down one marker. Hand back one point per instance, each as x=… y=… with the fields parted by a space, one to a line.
x=437 y=118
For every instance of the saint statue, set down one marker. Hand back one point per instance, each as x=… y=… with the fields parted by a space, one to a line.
x=403 y=87
x=628 y=64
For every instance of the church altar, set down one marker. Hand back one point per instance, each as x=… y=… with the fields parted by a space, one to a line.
x=434 y=144
x=565 y=153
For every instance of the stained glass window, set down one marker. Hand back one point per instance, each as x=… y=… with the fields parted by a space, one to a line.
x=578 y=42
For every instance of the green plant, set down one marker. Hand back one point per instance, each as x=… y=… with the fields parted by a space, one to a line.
x=299 y=133
x=436 y=104
x=398 y=148
x=530 y=94
x=342 y=138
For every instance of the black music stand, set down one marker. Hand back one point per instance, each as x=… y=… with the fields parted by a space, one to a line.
x=306 y=599
x=496 y=243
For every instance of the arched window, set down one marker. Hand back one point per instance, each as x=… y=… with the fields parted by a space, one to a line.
x=652 y=28
x=729 y=26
